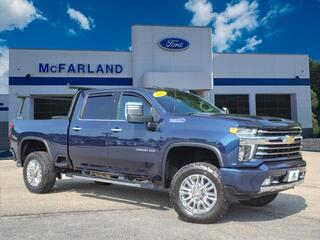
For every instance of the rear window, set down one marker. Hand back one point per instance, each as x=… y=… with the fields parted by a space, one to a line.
x=99 y=107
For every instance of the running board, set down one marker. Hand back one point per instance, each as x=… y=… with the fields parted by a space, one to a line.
x=128 y=183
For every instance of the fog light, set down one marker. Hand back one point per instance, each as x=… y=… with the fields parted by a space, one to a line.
x=266 y=182
x=246 y=152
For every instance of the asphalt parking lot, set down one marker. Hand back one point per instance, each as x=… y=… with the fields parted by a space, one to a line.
x=85 y=210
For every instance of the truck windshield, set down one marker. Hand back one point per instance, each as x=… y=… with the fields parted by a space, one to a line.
x=183 y=103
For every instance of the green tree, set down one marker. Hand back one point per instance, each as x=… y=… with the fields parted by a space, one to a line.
x=315 y=95
x=314 y=100
x=315 y=76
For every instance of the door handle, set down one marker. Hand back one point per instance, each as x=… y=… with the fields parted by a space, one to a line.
x=115 y=130
x=76 y=129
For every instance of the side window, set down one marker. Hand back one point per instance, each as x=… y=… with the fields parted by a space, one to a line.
x=131 y=98
x=99 y=107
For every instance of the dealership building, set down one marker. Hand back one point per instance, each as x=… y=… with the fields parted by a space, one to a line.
x=164 y=56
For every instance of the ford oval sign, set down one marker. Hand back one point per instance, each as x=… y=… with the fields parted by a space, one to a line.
x=174 y=44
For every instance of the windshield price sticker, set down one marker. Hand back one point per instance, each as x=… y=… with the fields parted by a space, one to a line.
x=159 y=93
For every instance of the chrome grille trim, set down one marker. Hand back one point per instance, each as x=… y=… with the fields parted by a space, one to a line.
x=258 y=153
x=280 y=131
x=268 y=140
x=276 y=147
x=275 y=143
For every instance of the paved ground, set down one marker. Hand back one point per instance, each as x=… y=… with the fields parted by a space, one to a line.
x=84 y=210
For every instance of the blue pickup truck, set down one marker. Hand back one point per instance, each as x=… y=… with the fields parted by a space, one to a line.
x=163 y=139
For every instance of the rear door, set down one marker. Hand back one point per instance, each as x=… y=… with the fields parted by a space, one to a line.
x=89 y=131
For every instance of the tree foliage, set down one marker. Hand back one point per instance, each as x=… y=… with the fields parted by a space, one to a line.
x=314 y=100
x=315 y=95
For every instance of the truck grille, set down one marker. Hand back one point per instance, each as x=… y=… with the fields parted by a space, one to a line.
x=283 y=143
x=280 y=132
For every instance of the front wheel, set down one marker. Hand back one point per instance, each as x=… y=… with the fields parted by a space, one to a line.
x=259 y=201
x=39 y=173
x=197 y=195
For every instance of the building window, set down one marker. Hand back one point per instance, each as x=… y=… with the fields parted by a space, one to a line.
x=237 y=104
x=46 y=108
x=273 y=105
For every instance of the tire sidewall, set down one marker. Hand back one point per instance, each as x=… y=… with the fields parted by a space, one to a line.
x=214 y=175
x=46 y=175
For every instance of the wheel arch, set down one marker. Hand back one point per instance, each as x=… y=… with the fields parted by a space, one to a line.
x=172 y=146
x=35 y=140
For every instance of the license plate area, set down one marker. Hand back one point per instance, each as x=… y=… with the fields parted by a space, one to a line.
x=292 y=176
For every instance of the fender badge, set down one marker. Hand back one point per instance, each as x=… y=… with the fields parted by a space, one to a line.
x=177 y=120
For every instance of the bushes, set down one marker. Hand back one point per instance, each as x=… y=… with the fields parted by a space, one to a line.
x=316 y=126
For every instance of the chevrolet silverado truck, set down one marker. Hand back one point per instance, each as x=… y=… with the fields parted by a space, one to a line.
x=163 y=139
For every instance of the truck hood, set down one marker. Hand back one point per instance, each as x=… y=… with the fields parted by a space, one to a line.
x=256 y=121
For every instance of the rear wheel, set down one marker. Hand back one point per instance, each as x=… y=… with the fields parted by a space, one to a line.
x=197 y=195
x=39 y=173
x=259 y=201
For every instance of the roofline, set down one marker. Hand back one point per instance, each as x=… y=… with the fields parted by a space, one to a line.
x=182 y=26
x=271 y=54
x=127 y=51
x=82 y=50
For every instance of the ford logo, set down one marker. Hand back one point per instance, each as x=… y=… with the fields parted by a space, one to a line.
x=174 y=44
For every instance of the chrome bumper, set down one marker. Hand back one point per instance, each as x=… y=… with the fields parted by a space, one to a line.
x=280 y=187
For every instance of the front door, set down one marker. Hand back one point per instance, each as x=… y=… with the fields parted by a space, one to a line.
x=88 y=131
x=132 y=148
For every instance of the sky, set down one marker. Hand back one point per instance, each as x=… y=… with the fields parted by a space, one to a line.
x=241 y=26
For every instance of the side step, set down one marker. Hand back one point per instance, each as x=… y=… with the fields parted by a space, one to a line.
x=62 y=164
x=123 y=182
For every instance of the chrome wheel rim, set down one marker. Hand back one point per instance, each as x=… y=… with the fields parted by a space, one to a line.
x=34 y=173
x=198 y=194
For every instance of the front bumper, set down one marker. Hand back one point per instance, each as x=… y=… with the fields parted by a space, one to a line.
x=247 y=183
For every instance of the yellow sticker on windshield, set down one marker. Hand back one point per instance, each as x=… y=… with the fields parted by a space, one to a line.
x=159 y=93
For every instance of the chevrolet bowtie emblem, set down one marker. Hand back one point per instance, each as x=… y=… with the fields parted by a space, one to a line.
x=288 y=139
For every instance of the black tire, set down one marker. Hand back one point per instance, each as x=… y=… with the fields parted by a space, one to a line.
x=102 y=183
x=209 y=171
x=259 y=201
x=48 y=172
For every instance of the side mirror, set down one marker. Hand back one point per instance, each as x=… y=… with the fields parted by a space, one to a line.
x=134 y=113
x=225 y=110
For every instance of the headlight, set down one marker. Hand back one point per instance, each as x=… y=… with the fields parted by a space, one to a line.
x=243 y=132
x=246 y=151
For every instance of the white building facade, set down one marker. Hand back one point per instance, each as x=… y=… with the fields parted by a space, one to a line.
x=164 y=56
x=4 y=111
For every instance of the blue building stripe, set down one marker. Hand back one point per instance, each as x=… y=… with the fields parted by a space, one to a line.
x=70 y=80
x=129 y=82
x=3 y=109
x=261 y=82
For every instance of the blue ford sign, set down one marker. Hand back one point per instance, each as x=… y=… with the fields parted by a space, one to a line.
x=174 y=44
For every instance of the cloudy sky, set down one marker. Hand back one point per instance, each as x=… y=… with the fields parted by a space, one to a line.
x=243 y=26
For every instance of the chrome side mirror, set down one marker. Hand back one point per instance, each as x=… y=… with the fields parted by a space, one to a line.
x=225 y=110
x=134 y=113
